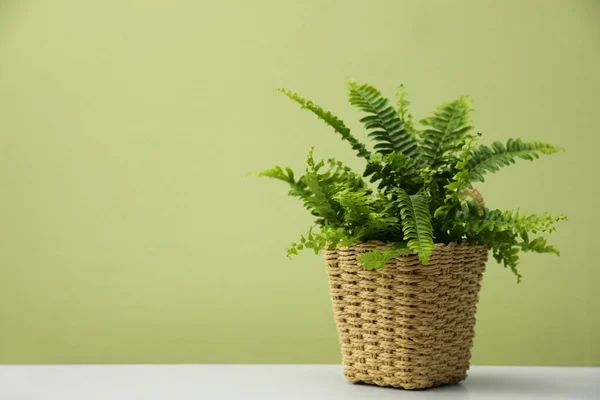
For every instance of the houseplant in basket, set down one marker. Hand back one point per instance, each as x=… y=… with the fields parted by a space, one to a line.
x=405 y=251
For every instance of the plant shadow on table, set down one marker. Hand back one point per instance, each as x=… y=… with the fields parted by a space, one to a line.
x=481 y=385
x=511 y=384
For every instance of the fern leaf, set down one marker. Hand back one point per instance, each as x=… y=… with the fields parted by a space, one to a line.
x=277 y=173
x=357 y=205
x=320 y=200
x=297 y=188
x=393 y=170
x=460 y=180
x=490 y=159
x=331 y=120
x=416 y=224
x=376 y=259
x=382 y=121
x=539 y=245
x=445 y=130
x=501 y=221
x=508 y=255
x=314 y=241
x=402 y=108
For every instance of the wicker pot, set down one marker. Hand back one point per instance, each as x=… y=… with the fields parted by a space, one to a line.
x=406 y=325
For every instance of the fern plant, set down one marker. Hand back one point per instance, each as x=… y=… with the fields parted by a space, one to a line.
x=417 y=186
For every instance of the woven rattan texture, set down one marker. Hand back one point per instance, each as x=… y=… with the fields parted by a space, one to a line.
x=406 y=325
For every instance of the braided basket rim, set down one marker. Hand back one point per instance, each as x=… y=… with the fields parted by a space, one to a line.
x=438 y=245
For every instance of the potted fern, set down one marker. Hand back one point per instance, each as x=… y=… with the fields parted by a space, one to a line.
x=405 y=251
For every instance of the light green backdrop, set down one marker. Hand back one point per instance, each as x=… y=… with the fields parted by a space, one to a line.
x=129 y=233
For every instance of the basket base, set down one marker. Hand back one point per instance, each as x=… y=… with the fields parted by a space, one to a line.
x=406 y=385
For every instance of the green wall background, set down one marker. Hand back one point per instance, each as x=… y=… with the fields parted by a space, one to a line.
x=129 y=233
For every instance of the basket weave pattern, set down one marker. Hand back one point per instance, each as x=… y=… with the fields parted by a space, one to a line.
x=406 y=325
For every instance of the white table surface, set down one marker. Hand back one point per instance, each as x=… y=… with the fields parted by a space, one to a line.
x=311 y=382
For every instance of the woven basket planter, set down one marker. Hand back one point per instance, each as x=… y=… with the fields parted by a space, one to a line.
x=406 y=325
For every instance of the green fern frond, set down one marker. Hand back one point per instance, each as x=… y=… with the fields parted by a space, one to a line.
x=330 y=119
x=501 y=230
x=461 y=178
x=393 y=170
x=277 y=173
x=538 y=245
x=490 y=159
x=507 y=254
x=383 y=122
x=416 y=224
x=500 y=221
x=402 y=108
x=319 y=187
x=317 y=241
x=376 y=259
x=379 y=225
x=297 y=188
x=445 y=130
x=314 y=241
x=321 y=199
x=357 y=205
